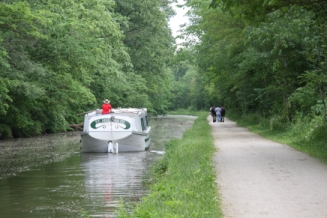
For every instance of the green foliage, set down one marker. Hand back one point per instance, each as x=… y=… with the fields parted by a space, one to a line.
x=150 y=46
x=4 y=97
x=262 y=58
x=256 y=11
x=277 y=123
x=60 y=58
x=316 y=130
x=85 y=214
x=5 y=131
x=188 y=86
x=303 y=98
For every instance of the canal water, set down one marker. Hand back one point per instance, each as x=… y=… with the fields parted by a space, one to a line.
x=48 y=176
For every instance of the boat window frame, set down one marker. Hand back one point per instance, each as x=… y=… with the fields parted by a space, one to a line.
x=146 y=120
x=143 y=124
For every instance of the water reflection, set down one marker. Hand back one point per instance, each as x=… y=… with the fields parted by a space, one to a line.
x=86 y=184
x=111 y=177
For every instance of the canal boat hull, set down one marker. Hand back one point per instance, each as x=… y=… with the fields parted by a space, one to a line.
x=127 y=127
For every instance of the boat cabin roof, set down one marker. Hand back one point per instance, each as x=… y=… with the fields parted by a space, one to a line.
x=129 y=110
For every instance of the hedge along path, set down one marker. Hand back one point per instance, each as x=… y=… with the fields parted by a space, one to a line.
x=257 y=177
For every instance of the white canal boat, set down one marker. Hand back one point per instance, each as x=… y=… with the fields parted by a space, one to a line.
x=123 y=130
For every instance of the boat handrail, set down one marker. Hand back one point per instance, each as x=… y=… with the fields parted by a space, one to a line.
x=121 y=111
x=126 y=111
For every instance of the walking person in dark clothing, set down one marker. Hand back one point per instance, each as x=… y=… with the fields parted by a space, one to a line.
x=213 y=113
x=222 y=113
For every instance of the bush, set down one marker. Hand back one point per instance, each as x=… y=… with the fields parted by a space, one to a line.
x=264 y=122
x=277 y=123
x=317 y=129
x=5 y=132
x=251 y=119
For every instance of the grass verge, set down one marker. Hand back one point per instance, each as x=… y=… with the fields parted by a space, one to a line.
x=182 y=182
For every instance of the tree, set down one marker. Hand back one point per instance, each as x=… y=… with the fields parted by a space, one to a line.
x=150 y=46
x=54 y=52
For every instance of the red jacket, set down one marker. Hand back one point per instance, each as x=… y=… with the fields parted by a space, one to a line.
x=106 y=108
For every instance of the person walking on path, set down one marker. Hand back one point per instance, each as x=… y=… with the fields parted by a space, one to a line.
x=259 y=178
x=218 y=114
x=223 y=111
x=213 y=113
x=106 y=107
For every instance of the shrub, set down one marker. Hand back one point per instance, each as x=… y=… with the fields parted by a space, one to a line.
x=251 y=119
x=264 y=122
x=277 y=123
x=5 y=132
x=317 y=129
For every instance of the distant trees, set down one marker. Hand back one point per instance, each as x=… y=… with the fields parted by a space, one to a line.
x=149 y=43
x=189 y=88
x=266 y=57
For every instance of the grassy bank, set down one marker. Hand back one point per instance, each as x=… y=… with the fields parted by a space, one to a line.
x=183 y=182
x=304 y=133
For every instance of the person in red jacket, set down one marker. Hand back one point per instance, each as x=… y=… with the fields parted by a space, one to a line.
x=106 y=107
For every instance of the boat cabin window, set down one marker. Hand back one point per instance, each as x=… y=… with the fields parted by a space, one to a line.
x=143 y=125
x=146 y=120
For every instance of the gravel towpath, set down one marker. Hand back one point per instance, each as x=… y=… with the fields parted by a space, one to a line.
x=259 y=178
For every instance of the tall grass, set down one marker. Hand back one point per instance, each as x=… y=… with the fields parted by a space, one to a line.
x=183 y=181
x=305 y=133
